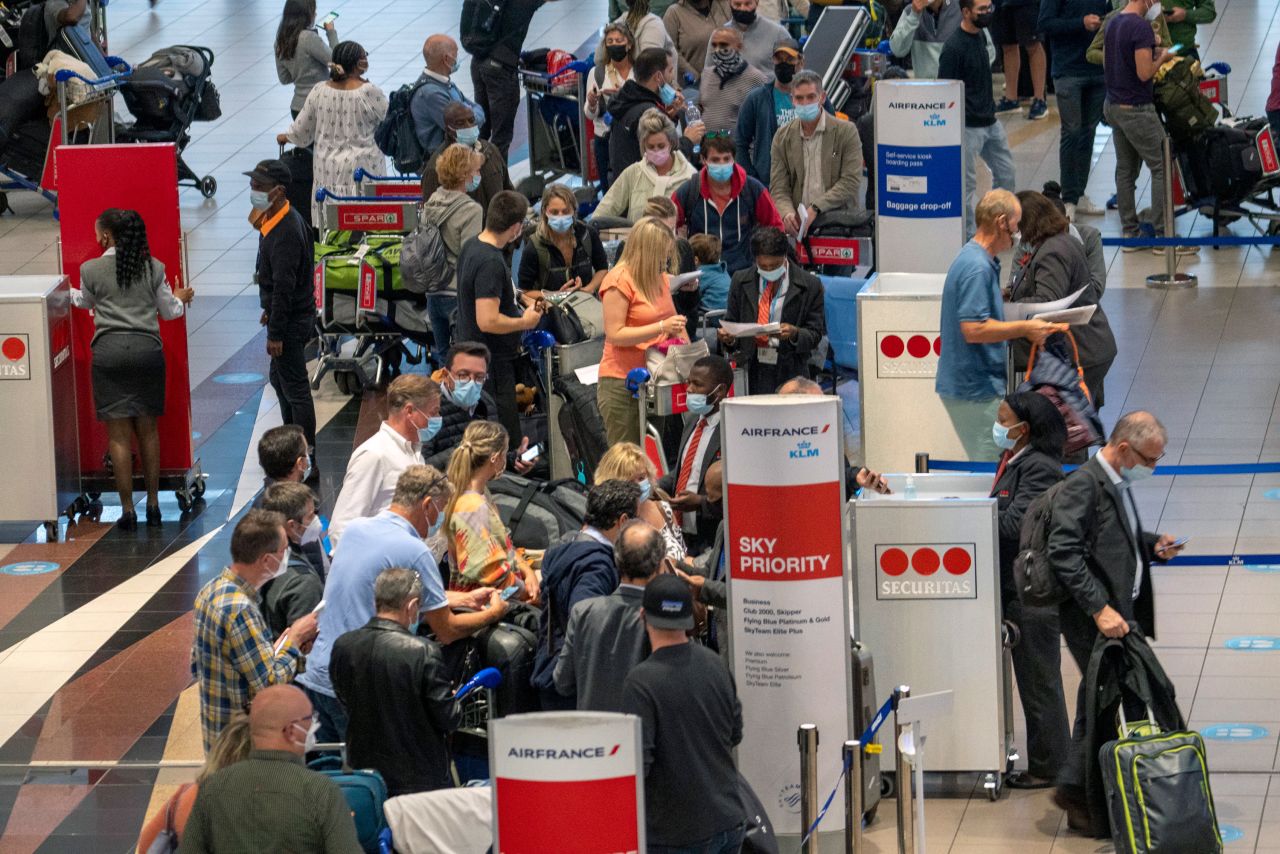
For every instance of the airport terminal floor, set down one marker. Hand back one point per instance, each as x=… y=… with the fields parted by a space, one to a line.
x=98 y=717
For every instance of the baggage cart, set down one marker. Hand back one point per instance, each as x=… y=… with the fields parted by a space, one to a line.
x=559 y=132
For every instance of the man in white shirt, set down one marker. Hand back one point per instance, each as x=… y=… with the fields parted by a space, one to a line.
x=413 y=416
x=710 y=381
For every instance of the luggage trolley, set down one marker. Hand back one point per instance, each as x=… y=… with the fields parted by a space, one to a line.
x=381 y=186
x=377 y=314
x=559 y=132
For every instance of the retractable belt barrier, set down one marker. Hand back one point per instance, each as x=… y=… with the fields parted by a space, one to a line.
x=1208 y=240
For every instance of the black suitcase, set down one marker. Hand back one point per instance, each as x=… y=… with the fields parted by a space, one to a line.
x=298 y=191
x=510 y=649
x=20 y=102
x=1222 y=163
x=581 y=426
x=865 y=705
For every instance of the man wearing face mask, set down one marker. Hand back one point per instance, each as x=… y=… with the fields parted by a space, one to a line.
x=393 y=538
x=285 y=292
x=759 y=34
x=964 y=57
x=971 y=377
x=413 y=417
x=690 y=23
x=232 y=657
x=710 y=381
x=297 y=591
x=460 y=126
x=435 y=90
x=652 y=86
x=1102 y=555
x=282 y=454
x=397 y=689
x=727 y=80
x=766 y=109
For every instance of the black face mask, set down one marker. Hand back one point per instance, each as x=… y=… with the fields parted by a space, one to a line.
x=617 y=52
x=784 y=71
x=746 y=17
x=983 y=20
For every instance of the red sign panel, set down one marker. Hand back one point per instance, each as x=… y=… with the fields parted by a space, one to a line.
x=847 y=251
x=397 y=188
x=1212 y=89
x=532 y=816
x=371 y=217
x=926 y=571
x=1266 y=144
x=367 y=299
x=785 y=540
x=317 y=285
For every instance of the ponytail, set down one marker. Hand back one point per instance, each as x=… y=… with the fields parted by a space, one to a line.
x=346 y=56
x=129 y=232
x=480 y=442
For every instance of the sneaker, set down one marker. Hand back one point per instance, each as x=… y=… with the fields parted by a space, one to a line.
x=1088 y=207
x=1179 y=250
x=1007 y=105
x=1071 y=211
x=1134 y=248
x=1039 y=109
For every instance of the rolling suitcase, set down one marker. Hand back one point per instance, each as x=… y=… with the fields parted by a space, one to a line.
x=365 y=791
x=865 y=706
x=510 y=649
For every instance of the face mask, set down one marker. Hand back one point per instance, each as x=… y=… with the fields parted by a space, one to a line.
x=313 y=531
x=809 y=112
x=746 y=17
x=1000 y=435
x=309 y=743
x=260 y=199
x=282 y=566
x=784 y=71
x=658 y=157
x=984 y=20
x=560 y=224
x=1154 y=12
x=720 y=172
x=646 y=489
x=773 y=275
x=700 y=404
x=413 y=627
x=617 y=52
x=666 y=94
x=474 y=183
x=435 y=526
x=434 y=423
x=467 y=136
x=306 y=472
x=1136 y=473
x=453 y=69
x=465 y=393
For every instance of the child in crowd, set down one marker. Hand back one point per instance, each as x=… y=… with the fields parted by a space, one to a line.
x=713 y=285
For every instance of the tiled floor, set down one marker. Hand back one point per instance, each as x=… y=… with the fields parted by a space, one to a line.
x=93 y=657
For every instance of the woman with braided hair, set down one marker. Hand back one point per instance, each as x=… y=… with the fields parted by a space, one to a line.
x=126 y=288
x=339 y=118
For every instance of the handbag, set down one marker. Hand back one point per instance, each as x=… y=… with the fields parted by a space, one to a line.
x=1059 y=377
x=670 y=364
x=563 y=323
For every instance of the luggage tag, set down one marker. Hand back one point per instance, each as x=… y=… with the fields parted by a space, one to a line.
x=767 y=355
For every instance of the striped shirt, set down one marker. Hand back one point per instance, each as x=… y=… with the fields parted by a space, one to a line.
x=231 y=656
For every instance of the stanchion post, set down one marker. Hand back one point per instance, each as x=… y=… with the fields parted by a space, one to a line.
x=922 y=463
x=853 y=797
x=902 y=769
x=808 y=738
x=1170 y=278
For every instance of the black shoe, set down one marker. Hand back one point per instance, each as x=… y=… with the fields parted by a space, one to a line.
x=1077 y=810
x=1026 y=780
x=128 y=521
x=153 y=517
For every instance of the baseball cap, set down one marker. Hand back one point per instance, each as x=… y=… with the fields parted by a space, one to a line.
x=787 y=45
x=668 y=603
x=271 y=172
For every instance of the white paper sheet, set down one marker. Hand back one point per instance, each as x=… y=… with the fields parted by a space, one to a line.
x=805 y=219
x=750 y=330
x=1074 y=316
x=686 y=281
x=1024 y=310
x=590 y=375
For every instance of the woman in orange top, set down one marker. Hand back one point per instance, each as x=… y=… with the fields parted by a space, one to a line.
x=638 y=313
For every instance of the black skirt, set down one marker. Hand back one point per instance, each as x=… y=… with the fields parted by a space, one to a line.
x=128 y=375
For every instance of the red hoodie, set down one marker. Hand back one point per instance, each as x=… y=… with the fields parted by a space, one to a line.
x=695 y=209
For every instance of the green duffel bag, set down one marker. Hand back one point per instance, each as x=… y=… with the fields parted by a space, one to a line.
x=395 y=306
x=1186 y=111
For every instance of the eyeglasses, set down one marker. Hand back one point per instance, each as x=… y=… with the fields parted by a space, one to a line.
x=463 y=376
x=1147 y=461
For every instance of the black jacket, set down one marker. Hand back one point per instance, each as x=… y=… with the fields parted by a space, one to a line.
x=401 y=707
x=284 y=274
x=1022 y=482
x=1092 y=551
x=713 y=512
x=293 y=595
x=571 y=572
x=803 y=306
x=454 y=421
x=626 y=108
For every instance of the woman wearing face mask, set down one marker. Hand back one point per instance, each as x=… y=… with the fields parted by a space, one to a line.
x=602 y=84
x=1031 y=433
x=625 y=461
x=302 y=57
x=562 y=253
x=339 y=118
x=660 y=171
x=480 y=550
x=459 y=218
x=460 y=127
x=646 y=28
x=775 y=290
x=126 y=288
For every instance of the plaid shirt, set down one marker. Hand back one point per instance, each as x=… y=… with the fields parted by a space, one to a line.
x=231 y=656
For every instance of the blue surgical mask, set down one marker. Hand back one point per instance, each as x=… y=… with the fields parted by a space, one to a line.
x=808 y=112
x=698 y=404
x=773 y=275
x=720 y=172
x=467 y=136
x=413 y=627
x=1133 y=474
x=474 y=183
x=465 y=393
x=306 y=472
x=453 y=69
x=560 y=224
x=1000 y=435
x=667 y=94
x=434 y=423
x=435 y=526
x=260 y=199
x=646 y=489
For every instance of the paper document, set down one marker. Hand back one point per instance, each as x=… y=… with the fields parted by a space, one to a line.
x=750 y=330
x=284 y=636
x=590 y=375
x=805 y=219
x=685 y=281
x=1026 y=310
x=1074 y=316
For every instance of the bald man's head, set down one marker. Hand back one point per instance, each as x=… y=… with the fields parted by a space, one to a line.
x=799 y=385
x=279 y=718
x=440 y=53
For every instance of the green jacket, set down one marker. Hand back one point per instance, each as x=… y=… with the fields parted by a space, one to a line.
x=1094 y=53
x=1198 y=12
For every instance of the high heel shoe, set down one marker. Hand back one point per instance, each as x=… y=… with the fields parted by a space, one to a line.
x=153 y=517
x=128 y=521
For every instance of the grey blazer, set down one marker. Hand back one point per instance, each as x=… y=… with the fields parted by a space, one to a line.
x=131 y=309
x=604 y=641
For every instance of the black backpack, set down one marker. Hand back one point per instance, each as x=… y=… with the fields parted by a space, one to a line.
x=396 y=136
x=425 y=265
x=1037 y=583
x=581 y=426
x=478 y=29
x=34 y=38
x=538 y=515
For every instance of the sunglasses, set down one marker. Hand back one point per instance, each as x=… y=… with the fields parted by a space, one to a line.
x=714 y=134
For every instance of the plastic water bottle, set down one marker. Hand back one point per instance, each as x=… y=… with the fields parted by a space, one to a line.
x=909 y=492
x=692 y=115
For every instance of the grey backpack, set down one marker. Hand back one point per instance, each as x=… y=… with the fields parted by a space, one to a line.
x=426 y=266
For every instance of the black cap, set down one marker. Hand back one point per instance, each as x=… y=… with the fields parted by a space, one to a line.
x=668 y=603
x=271 y=173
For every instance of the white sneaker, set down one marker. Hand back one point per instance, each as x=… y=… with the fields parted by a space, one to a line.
x=1071 y=211
x=1087 y=206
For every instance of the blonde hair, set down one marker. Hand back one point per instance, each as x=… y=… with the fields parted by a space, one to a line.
x=554 y=191
x=232 y=746
x=659 y=207
x=455 y=165
x=480 y=441
x=647 y=255
x=625 y=461
x=655 y=121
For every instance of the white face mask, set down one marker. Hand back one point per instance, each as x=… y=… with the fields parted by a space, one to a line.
x=309 y=743
x=313 y=531
x=1154 y=12
x=282 y=561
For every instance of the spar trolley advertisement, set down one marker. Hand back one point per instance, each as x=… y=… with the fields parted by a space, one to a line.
x=784 y=497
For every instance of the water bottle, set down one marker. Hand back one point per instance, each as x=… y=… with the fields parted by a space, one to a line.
x=910 y=492
x=692 y=115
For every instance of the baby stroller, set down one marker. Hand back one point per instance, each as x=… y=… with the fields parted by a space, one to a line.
x=168 y=92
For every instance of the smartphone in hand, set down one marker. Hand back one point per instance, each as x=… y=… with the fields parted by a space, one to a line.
x=328 y=19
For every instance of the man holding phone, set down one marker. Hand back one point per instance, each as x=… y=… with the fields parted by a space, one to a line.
x=1183 y=16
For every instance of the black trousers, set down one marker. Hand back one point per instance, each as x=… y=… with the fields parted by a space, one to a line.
x=502 y=385
x=1037 y=666
x=288 y=376
x=1080 y=632
x=497 y=90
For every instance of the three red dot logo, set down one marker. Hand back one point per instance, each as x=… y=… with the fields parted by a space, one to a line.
x=926 y=560
x=917 y=345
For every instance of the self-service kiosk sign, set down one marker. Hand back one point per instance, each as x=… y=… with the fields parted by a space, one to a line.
x=926 y=571
x=907 y=355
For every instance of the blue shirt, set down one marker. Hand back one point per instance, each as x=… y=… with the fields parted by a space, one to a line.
x=427 y=109
x=368 y=547
x=713 y=287
x=971 y=294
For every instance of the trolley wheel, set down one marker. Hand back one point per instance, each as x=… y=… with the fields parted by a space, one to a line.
x=197 y=488
x=888 y=784
x=51 y=531
x=94 y=496
x=94 y=511
x=994 y=784
x=184 y=499
x=208 y=185
x=870 y=815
